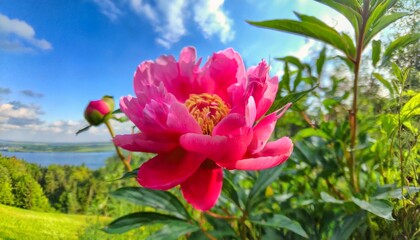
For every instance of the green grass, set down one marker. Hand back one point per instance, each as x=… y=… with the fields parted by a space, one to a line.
x=22 y=224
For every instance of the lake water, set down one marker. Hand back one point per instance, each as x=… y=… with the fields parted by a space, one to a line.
x=92 y=160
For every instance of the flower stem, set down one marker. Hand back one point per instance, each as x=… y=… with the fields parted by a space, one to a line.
x=117 y=149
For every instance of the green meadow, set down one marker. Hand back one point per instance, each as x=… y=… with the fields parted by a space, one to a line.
x=19 y=223
x=22 y=224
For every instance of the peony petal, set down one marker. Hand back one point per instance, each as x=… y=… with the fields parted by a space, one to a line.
x=222 y=70
x=203 y=188
x=142 y=142
x=263 y=88
x=132 y=109
x=224 y=150
x=179 y=78
x=180 y=120
x=274 y=154
x=167 y=170
x=282 y=146
x=213 y=147
x=263 y=130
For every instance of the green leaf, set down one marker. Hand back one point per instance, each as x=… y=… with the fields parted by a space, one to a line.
x=381 y=208
x=320 y=61
x=411 y=108
x=117 y=111
x=396 y=193
x=311 y=132
x=381 y=24
x=131 y=174
x=265 y=178
x=344 y=230
x=280 y=221
x=374 y=19
x=293 y=60
x=348 y=62
x=308 y=29
x=173 y=231
x=290 y=98
x=120 y=119
x=161 y=200
x=135 y=220
x=285 y=80
x=83 y=129
x=330 y=199
x=349 y=9
x=397 y=72
x=376 y=51
x=384 y=82
x=399 y=43
x=230 y=191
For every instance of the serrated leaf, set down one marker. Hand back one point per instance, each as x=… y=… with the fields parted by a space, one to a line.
x=376 y=51
x=380 y=208
x=290 y=98
x=161 y=200
x=135 y=220
x=83 y=129
x=308 y=29
x=279 y=221
x=399 y=43
x=173 y=232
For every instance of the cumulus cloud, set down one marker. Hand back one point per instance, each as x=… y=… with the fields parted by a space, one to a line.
x=18 y=36
x=15 y=114
x=108 y=8
x=213 y=20
x=169 y=18
x=32 y=94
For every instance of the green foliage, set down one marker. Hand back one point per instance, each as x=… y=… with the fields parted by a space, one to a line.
x=6 y=190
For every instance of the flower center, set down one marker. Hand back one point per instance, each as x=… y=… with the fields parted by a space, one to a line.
x=207 y=109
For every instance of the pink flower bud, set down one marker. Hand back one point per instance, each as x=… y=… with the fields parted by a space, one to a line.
x=97 y=111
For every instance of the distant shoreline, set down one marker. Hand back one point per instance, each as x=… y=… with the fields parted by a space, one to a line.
x=35 y=147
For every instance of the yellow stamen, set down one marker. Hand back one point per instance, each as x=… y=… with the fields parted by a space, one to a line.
x=207 y=109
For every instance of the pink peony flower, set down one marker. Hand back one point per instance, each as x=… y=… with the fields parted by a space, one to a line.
x=201 y=120
x=96 y=111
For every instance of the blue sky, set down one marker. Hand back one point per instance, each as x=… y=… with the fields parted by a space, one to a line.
x=56 y=56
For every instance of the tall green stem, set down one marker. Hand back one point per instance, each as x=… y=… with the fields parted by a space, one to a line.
x=353 y=111
x=117 y=149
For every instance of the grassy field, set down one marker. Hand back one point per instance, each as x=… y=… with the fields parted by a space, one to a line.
x=19 y=223
x=16 y=223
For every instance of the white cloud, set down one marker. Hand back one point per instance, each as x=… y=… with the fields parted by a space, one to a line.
x=172 y=27
x=18 y=36
x=213 y=20
x=169 y=18
x=108 y=8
